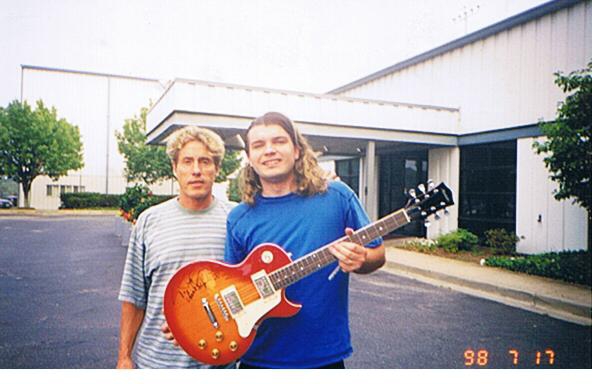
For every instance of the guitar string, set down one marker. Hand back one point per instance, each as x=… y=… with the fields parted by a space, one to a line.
x=250 y=292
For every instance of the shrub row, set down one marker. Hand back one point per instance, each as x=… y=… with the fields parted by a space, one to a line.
x=88 y=200
x=134 y=201
x=571 y=266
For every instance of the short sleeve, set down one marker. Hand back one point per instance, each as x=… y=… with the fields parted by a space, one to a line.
x=134 y=285
x=357 y=218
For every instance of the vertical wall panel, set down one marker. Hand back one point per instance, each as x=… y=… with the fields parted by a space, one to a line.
x=504 y=80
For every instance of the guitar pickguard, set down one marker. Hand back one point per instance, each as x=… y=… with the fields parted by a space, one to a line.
x=252 y=313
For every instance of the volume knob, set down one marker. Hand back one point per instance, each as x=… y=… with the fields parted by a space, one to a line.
x=202 y=344
x=219 y=336
x=233 y=346
x=215 y=353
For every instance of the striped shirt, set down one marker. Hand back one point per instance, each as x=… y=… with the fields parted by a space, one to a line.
x=166 y=237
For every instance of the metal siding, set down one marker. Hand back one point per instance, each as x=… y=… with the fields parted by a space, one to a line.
x=588 y=30
x=501 y=81
x=563 y=225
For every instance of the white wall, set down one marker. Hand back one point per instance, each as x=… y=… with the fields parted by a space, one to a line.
x=443 y=166
x=505 y=80
x=98 y=105
x=562 y=224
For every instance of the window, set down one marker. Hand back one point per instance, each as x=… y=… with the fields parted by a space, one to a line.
x=488 y=187
x=349 y=172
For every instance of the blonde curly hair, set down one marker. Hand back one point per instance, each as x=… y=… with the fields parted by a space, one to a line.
x=308 y=174
x=210 y=139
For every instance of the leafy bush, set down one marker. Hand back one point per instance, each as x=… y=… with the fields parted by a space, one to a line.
x=233 y=192
x=459 y=240
x=501 y=241
x=136 y=200
x=571 y=266
x=88 y=200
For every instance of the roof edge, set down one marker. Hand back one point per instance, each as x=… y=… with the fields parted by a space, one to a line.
x=521 y=18
x=89 y=73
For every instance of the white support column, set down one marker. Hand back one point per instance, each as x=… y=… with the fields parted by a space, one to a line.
x=371 y=181
x=444 y=166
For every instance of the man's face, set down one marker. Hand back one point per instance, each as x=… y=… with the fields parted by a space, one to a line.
x=271 y=152
x=195 y=171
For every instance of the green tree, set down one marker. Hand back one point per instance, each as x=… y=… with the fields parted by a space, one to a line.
x=568 y=147
x=143 y=163
x=36 y=142
x=230 y=163
x=150 y=163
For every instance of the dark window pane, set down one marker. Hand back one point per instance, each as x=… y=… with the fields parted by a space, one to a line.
x=488 y=187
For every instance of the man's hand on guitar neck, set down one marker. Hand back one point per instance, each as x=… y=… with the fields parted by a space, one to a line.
x=351 y=256
x=356 y=258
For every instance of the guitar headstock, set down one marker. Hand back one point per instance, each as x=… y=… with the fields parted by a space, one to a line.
x=431 y=200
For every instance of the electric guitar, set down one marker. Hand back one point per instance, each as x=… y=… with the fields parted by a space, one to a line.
x=213 y=309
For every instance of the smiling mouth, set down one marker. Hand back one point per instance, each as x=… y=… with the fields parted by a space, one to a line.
x=271 y=162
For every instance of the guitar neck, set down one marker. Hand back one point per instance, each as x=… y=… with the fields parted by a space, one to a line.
x=322 y=257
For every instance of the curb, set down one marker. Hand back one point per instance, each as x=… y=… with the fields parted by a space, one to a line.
x=55 y=213
x=551 y=306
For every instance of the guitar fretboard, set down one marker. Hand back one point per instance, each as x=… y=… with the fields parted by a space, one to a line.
x=322 y=257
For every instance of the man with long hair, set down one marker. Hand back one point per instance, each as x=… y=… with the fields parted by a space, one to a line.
x=287 y=201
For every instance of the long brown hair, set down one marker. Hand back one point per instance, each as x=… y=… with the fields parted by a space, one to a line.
x=308 y=175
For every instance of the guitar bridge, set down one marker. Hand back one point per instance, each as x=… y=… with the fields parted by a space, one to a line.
x=206 y=307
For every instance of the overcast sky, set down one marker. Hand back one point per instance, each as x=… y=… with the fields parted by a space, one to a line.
x=307 y=45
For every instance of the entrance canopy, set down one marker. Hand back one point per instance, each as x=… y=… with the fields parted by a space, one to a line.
x=335 y=125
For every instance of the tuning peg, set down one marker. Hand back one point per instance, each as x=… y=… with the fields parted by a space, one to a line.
x=423 y=214
x=421 y=188
x=431 y=184
x=436 y=216
x=411 y=192
x=427 y=224
x=446 y=213
x=433 y=209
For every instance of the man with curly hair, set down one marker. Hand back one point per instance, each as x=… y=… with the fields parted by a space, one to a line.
x=287 y=201
x=167 y=236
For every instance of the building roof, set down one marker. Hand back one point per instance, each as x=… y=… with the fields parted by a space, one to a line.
x=231 y=106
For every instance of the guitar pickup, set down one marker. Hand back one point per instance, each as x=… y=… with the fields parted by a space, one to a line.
x=232 y=300
x=262 y=283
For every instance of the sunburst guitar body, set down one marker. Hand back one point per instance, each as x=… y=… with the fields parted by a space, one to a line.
x=213 y=309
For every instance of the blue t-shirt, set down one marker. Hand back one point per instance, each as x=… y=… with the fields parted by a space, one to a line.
x=319 y=333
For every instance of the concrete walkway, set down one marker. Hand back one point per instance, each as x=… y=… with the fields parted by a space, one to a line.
x=554 y=298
